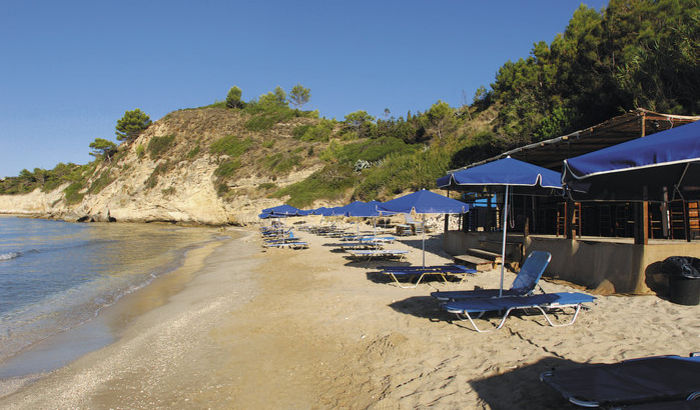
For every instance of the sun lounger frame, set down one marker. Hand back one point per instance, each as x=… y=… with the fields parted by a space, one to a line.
x=670 y=397
x=517 y=303
x=524 y=284
x=413 y=271
x=378 y=253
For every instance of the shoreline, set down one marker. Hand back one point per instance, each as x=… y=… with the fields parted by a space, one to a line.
x=58 y=351
x=309 y=329
x=52 y=217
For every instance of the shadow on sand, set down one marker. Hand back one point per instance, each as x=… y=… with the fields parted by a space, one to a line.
x=524 y=388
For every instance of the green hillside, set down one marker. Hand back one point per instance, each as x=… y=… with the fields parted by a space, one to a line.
x=635 y=53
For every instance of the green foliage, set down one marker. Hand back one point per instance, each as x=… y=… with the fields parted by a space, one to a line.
x=157 y=146
x=132 y=124
x=442 y=118
x=359 y=123
x=281 y=163
x=559 y=121
x=169 y=191
x=78 y=176
x=273 y=100
x=369 y=150
x=72 y=193
x=410 y=131
x=639 y=53
x=224 y=172
x=299 y=95
x=160 y=169
x=269 y=117
x=227 y=168
x=231 y=145
x=319 y=132
x=407 y=171
x=215 y=104
x=300 y=130
x=102 y=148
x=268 y=143
x=101 y=182
x=221 y=189
x=47 y=180
x=193 y=152
x=267 y=186
x=140 y=150
x=329 y=183
x=233 y=99
x=481 y=145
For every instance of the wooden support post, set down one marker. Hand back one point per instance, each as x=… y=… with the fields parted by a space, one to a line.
x=447 y=222
x=569 y=208
x=686 y=221
x=641 y=223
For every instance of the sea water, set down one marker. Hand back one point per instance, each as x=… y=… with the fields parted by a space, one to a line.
x=56 y=276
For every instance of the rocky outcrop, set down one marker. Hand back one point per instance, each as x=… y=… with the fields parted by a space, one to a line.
x=175 y=185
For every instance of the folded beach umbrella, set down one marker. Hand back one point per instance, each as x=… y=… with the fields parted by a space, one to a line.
x=283 y=210
x=423 y=202
x=662 y=166
x=509 y=173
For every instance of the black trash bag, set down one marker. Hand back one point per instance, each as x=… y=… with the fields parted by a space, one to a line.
x=681 y=266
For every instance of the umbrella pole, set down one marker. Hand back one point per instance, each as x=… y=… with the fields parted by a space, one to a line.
x=423 y=241
x=503 y=247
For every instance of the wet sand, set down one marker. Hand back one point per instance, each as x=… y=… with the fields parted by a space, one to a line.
x=310 y=329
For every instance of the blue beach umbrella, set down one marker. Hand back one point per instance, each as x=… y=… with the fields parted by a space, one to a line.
x=319 y=210
x=423 y=202
x=283 y=210
x=509 y=173
x=506 y=172
x=333 y=211
x=658 y=167
x=362 y=209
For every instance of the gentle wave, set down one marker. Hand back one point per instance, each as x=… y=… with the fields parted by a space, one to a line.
x=9 y=255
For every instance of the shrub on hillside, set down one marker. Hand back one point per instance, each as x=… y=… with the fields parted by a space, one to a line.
x=231 y=145
x=157 y=146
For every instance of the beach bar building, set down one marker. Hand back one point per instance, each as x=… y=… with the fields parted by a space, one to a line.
x=613 y=247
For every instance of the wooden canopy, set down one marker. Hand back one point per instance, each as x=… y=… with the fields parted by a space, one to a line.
x=633 y=124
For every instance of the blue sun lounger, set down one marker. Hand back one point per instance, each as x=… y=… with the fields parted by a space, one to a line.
x=289 y=238
x=651 y=382
x=466 y=308
x=377 y=253
x=524 y=284
x=412 y=271
x=377 y=239
x=292 y=245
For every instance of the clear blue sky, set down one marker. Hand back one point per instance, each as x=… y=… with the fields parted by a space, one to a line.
x=70 y=69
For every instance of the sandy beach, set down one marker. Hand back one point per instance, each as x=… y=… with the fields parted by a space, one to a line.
x=241 y=328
